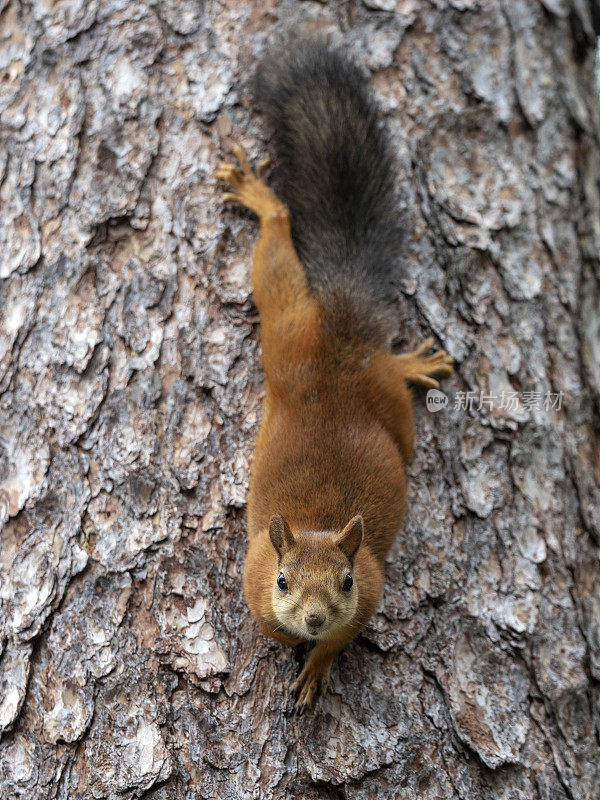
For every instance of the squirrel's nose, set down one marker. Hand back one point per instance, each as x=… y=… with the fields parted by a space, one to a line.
x=315 y=620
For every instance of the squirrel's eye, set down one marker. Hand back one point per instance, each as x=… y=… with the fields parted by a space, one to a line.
x=281 y=582
x=347 y=585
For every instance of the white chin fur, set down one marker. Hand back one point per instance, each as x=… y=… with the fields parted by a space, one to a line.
x=315 y=636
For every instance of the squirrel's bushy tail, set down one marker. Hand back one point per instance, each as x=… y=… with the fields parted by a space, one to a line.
x=338 y=176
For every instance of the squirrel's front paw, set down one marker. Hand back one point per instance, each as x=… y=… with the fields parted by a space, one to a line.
x=308 y=684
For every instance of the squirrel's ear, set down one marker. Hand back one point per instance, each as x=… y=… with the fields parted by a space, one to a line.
x=350 y=538
x=280 y=534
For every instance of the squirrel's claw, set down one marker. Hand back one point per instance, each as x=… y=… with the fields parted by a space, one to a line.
x=419 y=368
x=241 y=156
x=424 y=347
x=263 y=167
x=230 y=174
x=308 y=685
x=249 y=189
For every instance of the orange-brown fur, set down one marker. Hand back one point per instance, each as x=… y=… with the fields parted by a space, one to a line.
x=336 y=433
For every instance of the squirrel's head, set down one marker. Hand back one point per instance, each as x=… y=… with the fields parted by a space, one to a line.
x=314 y=588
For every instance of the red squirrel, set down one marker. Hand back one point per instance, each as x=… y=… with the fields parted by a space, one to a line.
x=328 y=486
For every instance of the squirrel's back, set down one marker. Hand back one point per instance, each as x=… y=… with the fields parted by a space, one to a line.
x=338 y=178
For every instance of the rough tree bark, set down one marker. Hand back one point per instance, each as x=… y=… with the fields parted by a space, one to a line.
x=130 y=388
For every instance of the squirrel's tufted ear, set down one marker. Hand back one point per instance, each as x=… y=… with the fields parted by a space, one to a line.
x=280 y=534
x=350 y=538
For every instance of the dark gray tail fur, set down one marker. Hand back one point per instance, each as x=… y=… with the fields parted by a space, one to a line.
x=338 y=176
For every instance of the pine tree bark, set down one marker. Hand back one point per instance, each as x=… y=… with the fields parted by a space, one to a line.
x=130 y=389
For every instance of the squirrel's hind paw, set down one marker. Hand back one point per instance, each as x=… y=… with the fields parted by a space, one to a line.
x=249 y=189
x=420 y=369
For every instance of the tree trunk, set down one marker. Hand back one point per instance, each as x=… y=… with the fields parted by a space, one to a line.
x=131 y=385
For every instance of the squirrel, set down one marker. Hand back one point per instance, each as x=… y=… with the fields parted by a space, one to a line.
x=327 y=492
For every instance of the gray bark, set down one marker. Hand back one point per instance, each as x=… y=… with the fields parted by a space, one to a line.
x=130 y=386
